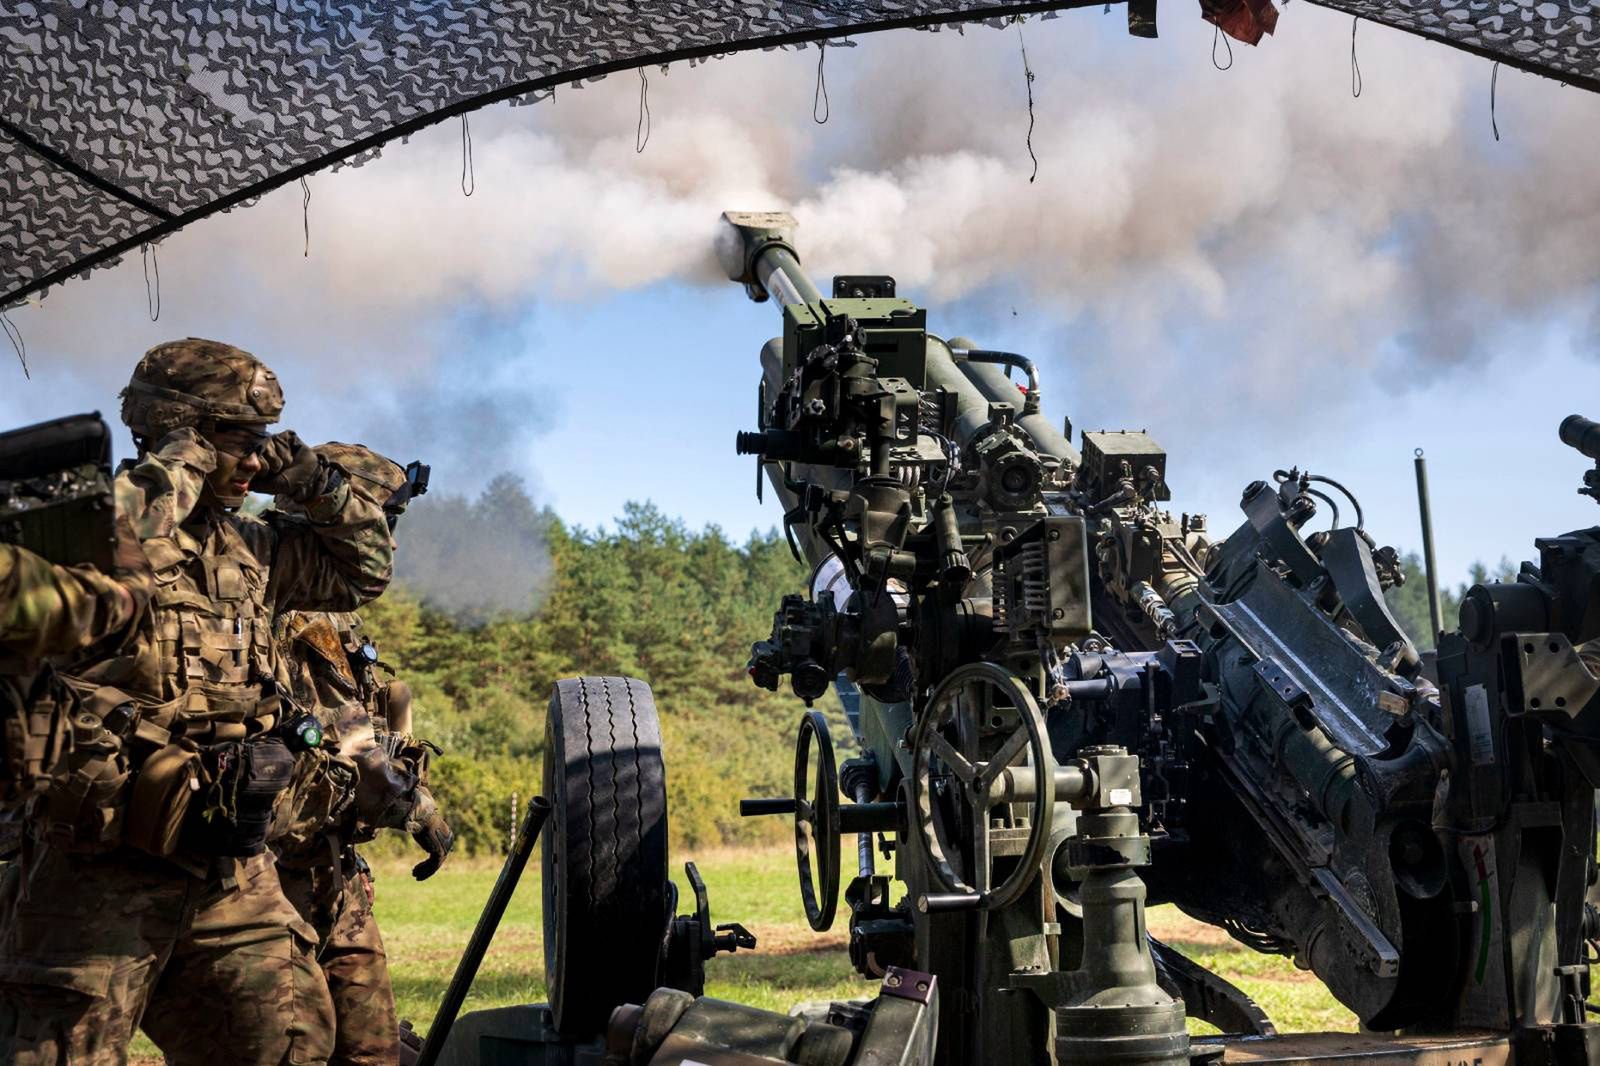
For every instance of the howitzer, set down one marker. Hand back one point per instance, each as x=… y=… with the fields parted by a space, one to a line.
x=987 y=562
x=1070 y=701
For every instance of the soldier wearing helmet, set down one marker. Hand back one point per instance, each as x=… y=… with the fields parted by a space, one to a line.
x=335 y=668
x=151 y=900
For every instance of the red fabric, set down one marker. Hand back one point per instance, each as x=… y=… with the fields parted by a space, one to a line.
x=1243 y=20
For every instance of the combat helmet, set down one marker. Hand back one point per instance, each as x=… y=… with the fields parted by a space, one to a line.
x=196 y=381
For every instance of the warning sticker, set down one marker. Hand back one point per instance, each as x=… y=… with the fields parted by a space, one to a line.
x=1480 y=734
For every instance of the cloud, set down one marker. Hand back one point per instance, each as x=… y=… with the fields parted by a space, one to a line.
x=1226 y=238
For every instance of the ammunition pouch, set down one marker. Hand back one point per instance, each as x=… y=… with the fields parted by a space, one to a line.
x=244 y=780
x=83 y=809
x=163 y=790
x=318 y=803
x=35 y=734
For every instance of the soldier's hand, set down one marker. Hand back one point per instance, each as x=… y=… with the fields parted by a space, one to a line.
x=432 y=834
x=288 y=467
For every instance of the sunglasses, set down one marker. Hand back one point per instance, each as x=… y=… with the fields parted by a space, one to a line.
x=240 y=441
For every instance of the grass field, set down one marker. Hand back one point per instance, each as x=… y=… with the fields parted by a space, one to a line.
x=426 y=926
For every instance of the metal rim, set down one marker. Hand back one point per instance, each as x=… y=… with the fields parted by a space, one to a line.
x=976 y=777
x=820 y=815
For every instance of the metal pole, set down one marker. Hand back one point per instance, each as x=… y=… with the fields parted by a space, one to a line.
x=483 y=933
x=1434 y=610
x=866 y=865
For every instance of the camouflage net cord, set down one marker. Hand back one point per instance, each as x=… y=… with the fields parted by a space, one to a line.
x=121 y=123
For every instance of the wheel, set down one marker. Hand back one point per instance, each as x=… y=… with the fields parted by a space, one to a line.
x=816 y=821
x=1000 y=756
x=605 y=849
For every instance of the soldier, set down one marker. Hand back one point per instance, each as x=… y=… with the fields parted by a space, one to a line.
x=367 y=721
x=145 y=895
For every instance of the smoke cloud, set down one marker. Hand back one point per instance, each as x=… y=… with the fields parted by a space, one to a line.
x=1215 y=239
x=1259 y=213
x=476 y=560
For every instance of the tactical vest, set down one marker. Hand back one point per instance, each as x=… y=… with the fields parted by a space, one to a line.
x=202 y=671
x=210 y=665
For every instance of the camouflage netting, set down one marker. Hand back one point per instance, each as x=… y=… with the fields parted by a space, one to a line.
x=120 y=122
x=1557 y=39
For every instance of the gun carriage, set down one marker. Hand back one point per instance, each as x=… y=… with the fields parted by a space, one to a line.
x=1069 y=702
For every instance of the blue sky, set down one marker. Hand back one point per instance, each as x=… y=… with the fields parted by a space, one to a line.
x=641 y=395
x=1253 y=266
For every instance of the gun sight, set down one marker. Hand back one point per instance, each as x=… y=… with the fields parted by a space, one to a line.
x=1583 y=434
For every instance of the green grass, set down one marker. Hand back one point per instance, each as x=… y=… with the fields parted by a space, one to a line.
x=426 y=926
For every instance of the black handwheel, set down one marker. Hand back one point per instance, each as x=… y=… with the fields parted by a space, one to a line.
x=605 y=849
x=816 y=821
x=952 y=782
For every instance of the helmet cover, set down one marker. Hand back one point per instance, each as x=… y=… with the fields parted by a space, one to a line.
x=187 y=382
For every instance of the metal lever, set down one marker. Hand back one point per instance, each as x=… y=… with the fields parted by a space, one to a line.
x=732 y=936
x=488 y=921
x=749 y=808
x=945 y=902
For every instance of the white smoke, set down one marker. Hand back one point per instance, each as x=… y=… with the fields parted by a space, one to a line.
x=1171 y=199
x=1238 y=233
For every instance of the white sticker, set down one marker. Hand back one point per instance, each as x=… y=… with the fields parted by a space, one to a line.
x=1478 y=730
x=1121 y=797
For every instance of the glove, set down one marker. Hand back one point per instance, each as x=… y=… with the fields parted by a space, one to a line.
x=288 y=468
x=384 y=790
x=431 y=832
x=410 y=1045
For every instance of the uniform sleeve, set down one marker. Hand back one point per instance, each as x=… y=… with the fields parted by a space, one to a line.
x=158 y=493
x=55 y=610
x=335 y=558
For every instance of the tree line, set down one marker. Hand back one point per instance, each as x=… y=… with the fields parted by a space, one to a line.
x=646 y=597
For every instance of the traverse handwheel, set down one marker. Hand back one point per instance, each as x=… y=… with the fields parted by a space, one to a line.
x=981 y=744
x=816 y=821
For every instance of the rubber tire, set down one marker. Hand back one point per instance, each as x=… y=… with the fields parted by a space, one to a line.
x=605 y=850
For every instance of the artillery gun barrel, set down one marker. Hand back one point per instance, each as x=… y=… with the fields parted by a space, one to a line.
x=756 y=249
x=779 y=272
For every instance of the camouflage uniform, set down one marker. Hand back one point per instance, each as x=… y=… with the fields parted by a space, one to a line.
x=199 y=948
x=47 y=610
x=333 y=667
x=57 y=610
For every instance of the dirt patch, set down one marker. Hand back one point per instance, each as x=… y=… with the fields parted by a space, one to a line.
x=798 y=940
x=1171 y=926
